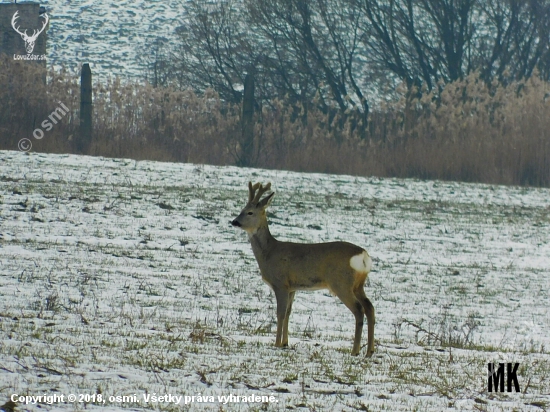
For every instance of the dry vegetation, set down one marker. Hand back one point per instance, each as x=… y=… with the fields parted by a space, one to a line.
x=469 y=131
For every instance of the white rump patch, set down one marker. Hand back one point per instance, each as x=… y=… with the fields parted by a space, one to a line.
x=361 y=263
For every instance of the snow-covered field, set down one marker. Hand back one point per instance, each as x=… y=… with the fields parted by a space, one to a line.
x=125 y=278
x=115 y=37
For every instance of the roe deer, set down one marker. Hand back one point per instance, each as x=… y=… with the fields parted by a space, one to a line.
x=287 y=267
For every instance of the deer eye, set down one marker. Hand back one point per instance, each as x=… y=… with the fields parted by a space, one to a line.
x=250 y=213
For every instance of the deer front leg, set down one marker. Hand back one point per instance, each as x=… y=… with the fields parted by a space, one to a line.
x=287 y=317
x=282 y=297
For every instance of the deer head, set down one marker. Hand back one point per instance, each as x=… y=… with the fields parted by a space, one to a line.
x=253 y=215
x=29 y=40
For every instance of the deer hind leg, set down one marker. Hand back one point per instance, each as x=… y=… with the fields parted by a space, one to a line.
x=347 y=296
x=369 y=312
x=283 y=298
x=287 y=317
x=357 y=311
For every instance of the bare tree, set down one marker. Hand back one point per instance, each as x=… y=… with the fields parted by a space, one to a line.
x=423 y=42
x=331 y=53
x=213 y=49
x=419 y=41
x=516 y=40
x=315 y=49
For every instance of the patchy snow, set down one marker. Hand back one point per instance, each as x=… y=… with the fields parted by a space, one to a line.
x=115 y=37
x=125 y=278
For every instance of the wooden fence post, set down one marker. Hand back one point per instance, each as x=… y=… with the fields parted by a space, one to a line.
x=85 y=138
x=247 y=149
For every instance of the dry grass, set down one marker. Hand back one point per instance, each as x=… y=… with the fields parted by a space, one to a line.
x=468 y=131
x=472 y=132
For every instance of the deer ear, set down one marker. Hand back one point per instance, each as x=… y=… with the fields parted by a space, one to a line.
x=265 y=202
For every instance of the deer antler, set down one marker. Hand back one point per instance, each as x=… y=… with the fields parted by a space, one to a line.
x=252 y=190
x=255 y=197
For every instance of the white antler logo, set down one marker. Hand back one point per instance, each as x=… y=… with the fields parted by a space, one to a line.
x=29 y=40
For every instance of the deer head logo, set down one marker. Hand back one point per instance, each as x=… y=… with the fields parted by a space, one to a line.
x=29 y=40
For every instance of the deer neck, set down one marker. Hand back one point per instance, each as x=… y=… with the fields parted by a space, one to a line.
x=262 y=241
